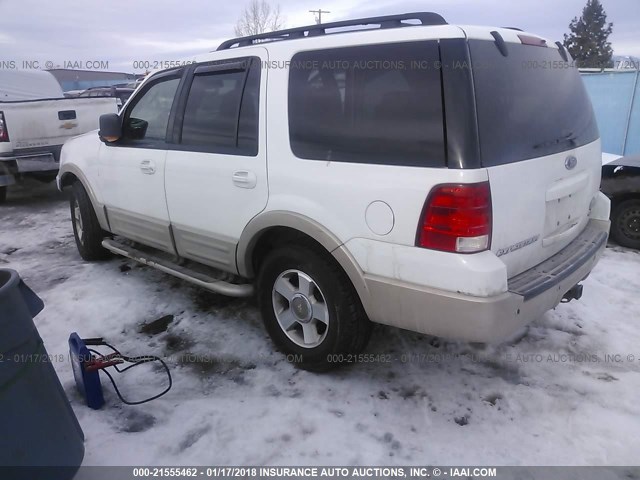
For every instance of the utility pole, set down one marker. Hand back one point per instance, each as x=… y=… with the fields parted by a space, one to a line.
x=319 y=16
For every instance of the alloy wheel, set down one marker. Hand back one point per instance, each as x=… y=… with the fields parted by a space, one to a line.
x=300 y=308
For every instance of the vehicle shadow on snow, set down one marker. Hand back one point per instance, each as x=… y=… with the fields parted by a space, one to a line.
x=614 y=247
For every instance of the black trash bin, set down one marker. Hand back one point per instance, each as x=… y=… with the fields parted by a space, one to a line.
x=40 y=435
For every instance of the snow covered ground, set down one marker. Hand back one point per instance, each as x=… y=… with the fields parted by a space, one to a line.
x=549 y=397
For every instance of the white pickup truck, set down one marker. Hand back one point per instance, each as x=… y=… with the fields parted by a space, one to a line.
x=35 y=120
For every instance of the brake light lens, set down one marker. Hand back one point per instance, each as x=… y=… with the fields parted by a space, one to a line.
x=456 y=218
x=534 y=41
x=4 y=133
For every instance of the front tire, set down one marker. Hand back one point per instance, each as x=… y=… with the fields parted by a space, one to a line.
x=86 y=228
x=3 y=194
x=310 y=308
x=625 y=223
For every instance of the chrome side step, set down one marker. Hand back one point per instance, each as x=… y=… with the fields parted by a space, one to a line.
x=204 y=281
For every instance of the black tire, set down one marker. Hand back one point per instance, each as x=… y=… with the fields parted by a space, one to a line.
x=88 y=233
x=348 y=329
x=625 y=223
x=3 y=194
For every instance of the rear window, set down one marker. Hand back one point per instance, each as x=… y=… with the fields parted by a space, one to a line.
x=368 y=104
x=530 y=103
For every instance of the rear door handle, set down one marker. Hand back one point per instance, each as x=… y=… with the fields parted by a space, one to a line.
x=148 y=167
x=244 y=179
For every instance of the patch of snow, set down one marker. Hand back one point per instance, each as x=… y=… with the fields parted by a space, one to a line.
x=548 y=397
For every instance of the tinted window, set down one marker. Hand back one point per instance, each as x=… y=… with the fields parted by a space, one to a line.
x=249 y=109
x=368 y=104
x=212 y=109
x=530 y=103
x=149 y=116
x=222 y=111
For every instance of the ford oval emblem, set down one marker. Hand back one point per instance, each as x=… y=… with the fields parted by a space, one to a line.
x=571 y=162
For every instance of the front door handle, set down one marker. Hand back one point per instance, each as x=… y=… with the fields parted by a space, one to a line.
x=148 y=167
x=244 y=179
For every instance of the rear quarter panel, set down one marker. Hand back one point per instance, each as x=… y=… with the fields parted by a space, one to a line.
x=337 y=195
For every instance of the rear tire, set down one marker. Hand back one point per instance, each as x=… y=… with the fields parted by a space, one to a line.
x=310 y=308
x=625 y=223
x=86 y=229
x=3 y=195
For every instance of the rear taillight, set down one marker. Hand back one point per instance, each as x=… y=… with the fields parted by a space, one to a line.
x=4 y=133
x=456 y=218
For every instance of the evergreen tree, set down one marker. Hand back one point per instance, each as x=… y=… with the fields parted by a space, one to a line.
x=588 y=41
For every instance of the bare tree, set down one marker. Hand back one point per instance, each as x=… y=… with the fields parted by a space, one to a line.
x=259 y=17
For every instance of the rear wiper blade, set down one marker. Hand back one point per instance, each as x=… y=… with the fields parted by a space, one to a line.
x=570 y=137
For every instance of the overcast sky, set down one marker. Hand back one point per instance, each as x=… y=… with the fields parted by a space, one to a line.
x=122 y=32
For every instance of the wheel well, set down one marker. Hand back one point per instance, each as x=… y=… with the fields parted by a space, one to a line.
x=622 y=197
x=278 y=236
x=68 y=179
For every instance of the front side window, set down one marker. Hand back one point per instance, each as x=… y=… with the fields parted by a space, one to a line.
x=149 y=116
x=368 y=104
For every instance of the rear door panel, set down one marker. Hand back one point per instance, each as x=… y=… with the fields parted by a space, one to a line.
x=213 y=194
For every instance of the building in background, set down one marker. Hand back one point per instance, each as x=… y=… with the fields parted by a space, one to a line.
x=615 y=95
x=84 y=79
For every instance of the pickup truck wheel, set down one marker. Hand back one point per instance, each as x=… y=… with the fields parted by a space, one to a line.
x=310 y=308
x=86 y=228
x=625 y=225
x=3 y=194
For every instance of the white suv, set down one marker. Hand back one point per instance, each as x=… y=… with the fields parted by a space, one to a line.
x=438 y=178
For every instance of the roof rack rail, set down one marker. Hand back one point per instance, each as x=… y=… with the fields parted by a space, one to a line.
x=514 y=28
x=388 y=21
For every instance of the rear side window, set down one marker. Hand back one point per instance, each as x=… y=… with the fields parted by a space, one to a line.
x=221 y=114
x=530 y=103
x=368 y=104
x=212 y=109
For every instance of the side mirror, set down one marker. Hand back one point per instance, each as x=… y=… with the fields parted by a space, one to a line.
x=110 y=127
x=135 y=128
